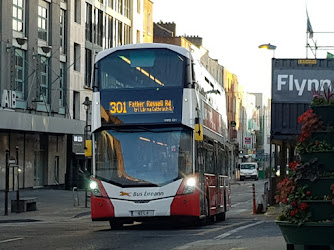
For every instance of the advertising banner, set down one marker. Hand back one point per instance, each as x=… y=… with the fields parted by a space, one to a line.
x=296 y=80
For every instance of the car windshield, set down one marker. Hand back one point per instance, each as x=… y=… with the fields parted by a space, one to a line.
x=141 y=157
x=248 y=166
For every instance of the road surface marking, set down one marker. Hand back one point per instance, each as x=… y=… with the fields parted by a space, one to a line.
x=219 y=228
x=224 y=235
x=9 y=240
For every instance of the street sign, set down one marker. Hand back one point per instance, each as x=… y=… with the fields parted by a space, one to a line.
x=11 y=161
x=248 y=140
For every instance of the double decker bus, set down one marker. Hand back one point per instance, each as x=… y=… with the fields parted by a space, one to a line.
x=158 y=137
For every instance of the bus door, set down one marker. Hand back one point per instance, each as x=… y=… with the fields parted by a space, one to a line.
x=210 y=178
x=221 y=188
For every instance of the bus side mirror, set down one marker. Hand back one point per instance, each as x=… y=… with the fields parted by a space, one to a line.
x=198 y=130
x=88 y=148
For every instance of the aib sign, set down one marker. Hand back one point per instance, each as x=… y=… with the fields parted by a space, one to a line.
x=8 y=99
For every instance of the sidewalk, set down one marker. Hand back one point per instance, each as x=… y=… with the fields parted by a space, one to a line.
x=52 y=205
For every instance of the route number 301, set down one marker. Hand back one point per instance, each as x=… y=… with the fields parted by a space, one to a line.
x=118 y=107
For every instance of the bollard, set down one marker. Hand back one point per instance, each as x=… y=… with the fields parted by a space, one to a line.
x=18 y=181
x=75 y=197
x=254 y=201
x=7 y=182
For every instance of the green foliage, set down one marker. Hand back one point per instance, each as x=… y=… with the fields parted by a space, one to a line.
x=293 y=208
x=323 y=97
x=309 y=170
x=313 y=146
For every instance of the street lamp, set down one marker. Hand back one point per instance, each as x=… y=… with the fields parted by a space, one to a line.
x=268 y=46
x=273 y=48
x=87 y=103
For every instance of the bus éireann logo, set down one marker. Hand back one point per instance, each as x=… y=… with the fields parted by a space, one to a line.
x=124 y=194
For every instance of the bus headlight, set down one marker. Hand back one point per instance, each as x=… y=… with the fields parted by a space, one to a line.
x=190 y=185
x=94 y=188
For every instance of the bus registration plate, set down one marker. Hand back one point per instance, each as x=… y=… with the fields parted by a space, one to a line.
x=142 y=213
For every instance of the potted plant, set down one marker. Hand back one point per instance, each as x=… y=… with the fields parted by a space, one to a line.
x=323 y=105
x=307 y=212
x=309 y=146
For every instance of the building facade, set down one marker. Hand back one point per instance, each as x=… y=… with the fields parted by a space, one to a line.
x=47 y=54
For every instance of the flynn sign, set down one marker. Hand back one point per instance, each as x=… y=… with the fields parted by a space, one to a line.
x=297 y=83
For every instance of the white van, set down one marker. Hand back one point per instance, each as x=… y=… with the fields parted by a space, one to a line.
x=249 y=170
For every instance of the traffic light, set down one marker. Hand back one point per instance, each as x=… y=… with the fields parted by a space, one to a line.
x=259 y=159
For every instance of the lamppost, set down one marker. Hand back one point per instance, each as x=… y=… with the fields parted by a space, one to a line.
x=273 y=48
x=268 y=46
x=87 y=103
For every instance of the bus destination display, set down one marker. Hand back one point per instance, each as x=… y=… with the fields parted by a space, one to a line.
x=140 y=107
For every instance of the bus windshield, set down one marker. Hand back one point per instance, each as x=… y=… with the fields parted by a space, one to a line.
x=141 y=68
x=143 y=158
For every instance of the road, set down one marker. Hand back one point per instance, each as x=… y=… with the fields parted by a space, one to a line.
x=241 y=230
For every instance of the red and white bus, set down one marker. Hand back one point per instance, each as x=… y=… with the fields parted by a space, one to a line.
x=159 y=137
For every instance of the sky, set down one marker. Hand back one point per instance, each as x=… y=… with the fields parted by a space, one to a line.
x=232 y=30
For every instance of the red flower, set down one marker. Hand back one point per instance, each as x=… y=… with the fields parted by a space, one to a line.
x=308 y=192
x=292 y=213
x=293 y=165
x=303 y=206
x=316 y=143
x=294 y=203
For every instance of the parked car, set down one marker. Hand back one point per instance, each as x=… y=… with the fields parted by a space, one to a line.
x=249 y=170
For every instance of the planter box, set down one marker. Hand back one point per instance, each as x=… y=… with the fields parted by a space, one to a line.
x=325 y=158
x=319 y=188
x=324 y=135
x=310 y=233
x=325 y=112
x=321 y=210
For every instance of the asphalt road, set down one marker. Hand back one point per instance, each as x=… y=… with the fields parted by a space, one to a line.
x=241 y=230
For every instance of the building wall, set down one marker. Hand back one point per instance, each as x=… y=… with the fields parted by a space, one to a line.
x=36 y=126
x=148 y=22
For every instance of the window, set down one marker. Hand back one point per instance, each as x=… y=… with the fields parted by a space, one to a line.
x=144 y=68
x=110 y=3
x=120 y=6
x=44 y=79
x=62 y=84
x=120 y=33
x=89 y=23
x=98 y=32
x=43 y=24
x=76 y=105
x=138 y=6
x=62 y=31
x=77 y=11
x=138 y=36
x=18 y=15
x=127 y=8
x=109 y=32
x=126 y=34
x=149 y=23
x=88 y=67
x=76 y=57
x=20 y=73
